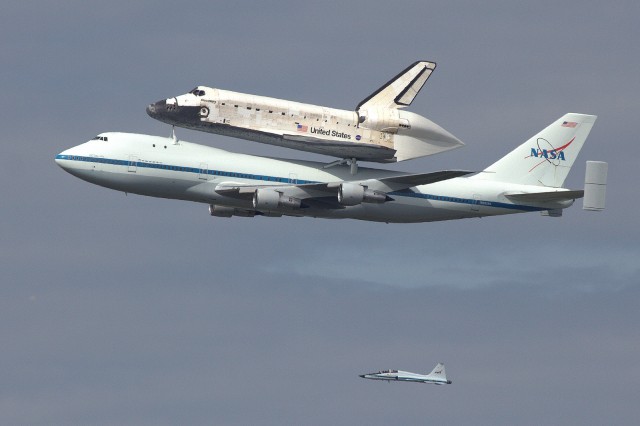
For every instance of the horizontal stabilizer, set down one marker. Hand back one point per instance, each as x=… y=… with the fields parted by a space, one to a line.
x=595 y=185
x=543 y=197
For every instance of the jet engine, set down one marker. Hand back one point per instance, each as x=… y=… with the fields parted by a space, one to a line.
x=268 y=199
x=352 y=194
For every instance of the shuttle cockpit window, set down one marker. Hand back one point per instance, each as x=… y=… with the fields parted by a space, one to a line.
x=197 y=92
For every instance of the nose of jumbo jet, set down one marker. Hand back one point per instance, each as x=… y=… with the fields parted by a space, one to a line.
x=62 y=160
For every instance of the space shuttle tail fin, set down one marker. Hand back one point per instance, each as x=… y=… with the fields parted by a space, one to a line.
x=546 y=158
x=402 y=89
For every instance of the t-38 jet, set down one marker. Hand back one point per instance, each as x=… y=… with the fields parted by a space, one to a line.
x=437 y=376
x=378 y=130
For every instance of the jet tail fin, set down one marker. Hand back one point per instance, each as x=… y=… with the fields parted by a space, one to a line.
x=439 y=371
x=402 y=89
x=546 y=158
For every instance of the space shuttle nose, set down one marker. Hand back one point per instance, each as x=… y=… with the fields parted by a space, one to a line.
x=170 y=112
x=154 y=108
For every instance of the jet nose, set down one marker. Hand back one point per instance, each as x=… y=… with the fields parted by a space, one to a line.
x=362 y=375
x=62 y=160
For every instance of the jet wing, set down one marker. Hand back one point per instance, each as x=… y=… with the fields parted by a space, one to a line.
x=410 y=180
x=324 y=194
x=547 y=196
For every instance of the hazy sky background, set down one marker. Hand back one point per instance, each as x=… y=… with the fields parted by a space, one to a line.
x=134 y=310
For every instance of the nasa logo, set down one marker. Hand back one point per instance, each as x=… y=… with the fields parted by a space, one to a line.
x=358 y=137
x=552 y=154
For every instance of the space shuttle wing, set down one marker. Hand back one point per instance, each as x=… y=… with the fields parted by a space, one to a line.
x=402 y=89
x=361 y=150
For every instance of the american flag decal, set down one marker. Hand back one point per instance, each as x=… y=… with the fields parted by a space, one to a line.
x=302 y=128
x=571 y=124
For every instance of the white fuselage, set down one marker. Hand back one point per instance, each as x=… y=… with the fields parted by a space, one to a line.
x=372 y=134
x=159 y=167
x=405 y=376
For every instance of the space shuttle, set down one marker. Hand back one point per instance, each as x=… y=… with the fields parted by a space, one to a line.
x=378 y=130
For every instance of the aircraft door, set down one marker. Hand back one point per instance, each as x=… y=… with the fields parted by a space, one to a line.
x=204 y=171
x=133 y=164
x=96 y=163
x=475 y=204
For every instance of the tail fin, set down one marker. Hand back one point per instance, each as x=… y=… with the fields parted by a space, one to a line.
x=546 y=158
x=400 y=91
x=439 y=372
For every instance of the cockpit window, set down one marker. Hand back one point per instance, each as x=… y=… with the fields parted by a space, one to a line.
x=100 y=138
x=197 y=92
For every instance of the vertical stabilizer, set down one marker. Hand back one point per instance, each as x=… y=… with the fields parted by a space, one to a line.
x=402 y=89
x=546 y=158
x=439 y=372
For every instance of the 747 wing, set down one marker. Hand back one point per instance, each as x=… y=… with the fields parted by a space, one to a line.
x=330 y=195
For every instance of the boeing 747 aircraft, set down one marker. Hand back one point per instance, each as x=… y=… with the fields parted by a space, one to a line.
x=528 y=179
x=378 y=130
x=438 y=376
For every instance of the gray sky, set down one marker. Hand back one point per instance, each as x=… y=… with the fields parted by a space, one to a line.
x=134 y=310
